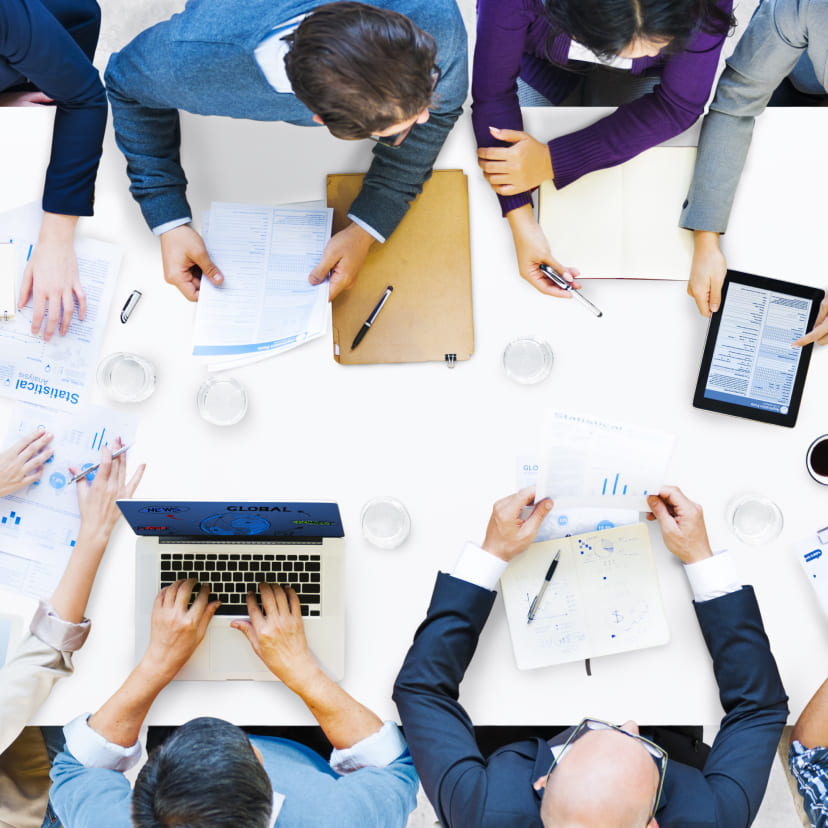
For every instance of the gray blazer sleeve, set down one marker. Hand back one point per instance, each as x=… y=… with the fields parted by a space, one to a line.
x=773 y=42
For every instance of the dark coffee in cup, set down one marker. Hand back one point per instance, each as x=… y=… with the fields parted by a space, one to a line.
x=817 y=459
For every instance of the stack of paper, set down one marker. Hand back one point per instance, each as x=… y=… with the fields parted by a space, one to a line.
x=55 y=373
x=265 y=304
x=39 y=524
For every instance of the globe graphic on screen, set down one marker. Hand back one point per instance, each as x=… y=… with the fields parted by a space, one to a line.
x=234 y=525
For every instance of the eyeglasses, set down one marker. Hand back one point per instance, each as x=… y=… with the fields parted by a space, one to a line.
x=394 y=141
x=658 y=754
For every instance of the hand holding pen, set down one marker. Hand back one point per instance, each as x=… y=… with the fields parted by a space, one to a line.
x=558 y=280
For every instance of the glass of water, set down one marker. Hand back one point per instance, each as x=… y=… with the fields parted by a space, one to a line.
x=126 y=377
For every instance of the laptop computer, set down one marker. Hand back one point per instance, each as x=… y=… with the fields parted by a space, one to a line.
x=232 y=546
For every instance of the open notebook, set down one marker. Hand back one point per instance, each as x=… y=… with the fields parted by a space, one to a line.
x=604 y=598
x=622 y=222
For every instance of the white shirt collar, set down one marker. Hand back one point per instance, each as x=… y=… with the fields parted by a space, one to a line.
x=270 y=54
x=278 y=801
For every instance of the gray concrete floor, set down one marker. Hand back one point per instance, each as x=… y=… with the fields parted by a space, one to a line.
x=122 y=20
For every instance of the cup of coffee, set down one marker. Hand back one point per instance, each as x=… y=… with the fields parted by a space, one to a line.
x=816 y=460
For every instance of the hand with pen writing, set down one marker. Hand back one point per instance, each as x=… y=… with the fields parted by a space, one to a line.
x=22 y=463
x=507 y=534
x=97 y=500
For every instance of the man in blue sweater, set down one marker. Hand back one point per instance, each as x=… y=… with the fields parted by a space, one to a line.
x=395 y=71
x=208 y=772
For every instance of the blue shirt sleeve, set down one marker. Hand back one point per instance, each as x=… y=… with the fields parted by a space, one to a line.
x=35 y=44
x=89 y=797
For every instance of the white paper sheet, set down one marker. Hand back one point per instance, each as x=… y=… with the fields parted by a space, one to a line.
x=265 y=305
x=587 y=461
x=56 y=373
x=39 y=524
x=561 y=523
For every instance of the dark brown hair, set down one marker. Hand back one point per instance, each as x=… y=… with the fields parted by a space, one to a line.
x=360 y=68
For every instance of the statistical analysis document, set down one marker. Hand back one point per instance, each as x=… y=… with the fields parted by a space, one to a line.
x=587 y=461
x=39 y=524
x=753 y=363
x=55 y=373
x=265 y=304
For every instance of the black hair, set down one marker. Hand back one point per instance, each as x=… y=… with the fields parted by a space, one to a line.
x=205 y=775
x=607 y=27
x=360 y=68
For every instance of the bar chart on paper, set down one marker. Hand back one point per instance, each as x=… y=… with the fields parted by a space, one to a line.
x=590 y=462
x=39 y=524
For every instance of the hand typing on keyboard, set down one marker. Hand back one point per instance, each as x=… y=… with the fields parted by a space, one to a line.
x=277 y=634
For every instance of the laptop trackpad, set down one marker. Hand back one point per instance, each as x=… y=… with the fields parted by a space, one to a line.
x=230 y=652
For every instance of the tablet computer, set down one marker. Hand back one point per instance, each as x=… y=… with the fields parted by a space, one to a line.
x=749 y=368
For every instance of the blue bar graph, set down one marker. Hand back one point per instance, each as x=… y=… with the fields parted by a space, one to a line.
x=97 y=441
x=615 y=485
x=11 y=519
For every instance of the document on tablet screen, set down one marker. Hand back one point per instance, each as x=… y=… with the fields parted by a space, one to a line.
x=753 y=362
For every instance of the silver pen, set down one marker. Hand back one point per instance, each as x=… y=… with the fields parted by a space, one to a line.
x=547 y=578
x=560 y=282
x=94 y=468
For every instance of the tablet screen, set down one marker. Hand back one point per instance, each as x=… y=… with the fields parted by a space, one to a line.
x=749 y=367
x=753 y=362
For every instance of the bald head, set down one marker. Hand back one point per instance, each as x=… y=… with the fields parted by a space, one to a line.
x=606 y=779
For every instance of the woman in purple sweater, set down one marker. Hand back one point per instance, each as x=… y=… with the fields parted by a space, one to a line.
x=550 y=45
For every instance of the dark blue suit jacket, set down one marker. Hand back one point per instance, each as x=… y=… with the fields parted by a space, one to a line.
x=468 y=790
x=49 y=45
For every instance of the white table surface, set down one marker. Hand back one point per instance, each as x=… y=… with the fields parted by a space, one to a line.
x=445 y=441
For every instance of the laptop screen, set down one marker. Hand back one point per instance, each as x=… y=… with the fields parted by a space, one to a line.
x=228 y=520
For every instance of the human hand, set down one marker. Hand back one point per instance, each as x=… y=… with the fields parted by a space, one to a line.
x=97 y=500
x=342 y=259
x=24 y=99
x=507 y=535
x=22 y=463
x=176 y=631
x=277 y=635
x=819 y=333
x=518 y=168
x=682 y=524
x=186 y=260
x=707 y=272
x=51 y=277
x=532 y=249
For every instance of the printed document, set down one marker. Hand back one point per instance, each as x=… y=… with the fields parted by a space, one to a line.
x=604 y=598
x=591 y=462
x=39 y=524
x=265 y=304
x=56 y=373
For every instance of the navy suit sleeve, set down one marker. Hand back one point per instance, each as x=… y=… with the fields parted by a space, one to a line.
x=35 y=45
x=731 y=785
x=439 y=731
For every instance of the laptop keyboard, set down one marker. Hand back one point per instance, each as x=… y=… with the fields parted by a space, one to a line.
x=232 y=575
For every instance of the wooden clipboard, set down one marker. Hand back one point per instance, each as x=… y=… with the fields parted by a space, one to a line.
x=427 y=260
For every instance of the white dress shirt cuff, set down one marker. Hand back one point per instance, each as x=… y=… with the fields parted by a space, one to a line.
x=53 y=631
x=374 y=751
x=713 y=577
x=93 y=751
x=478 y=567
x=367 y=228
x=171 y=225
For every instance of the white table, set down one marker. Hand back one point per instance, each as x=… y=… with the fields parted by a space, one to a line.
x=445 y=441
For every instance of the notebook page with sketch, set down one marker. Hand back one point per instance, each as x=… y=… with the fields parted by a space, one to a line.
x=604 y=598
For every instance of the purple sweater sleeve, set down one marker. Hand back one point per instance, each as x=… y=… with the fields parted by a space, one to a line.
x=673 y=106
x=506 y=29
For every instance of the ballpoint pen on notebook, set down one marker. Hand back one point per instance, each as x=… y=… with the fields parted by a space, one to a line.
x=547 y=578
x=94 y=468
x=558 y=280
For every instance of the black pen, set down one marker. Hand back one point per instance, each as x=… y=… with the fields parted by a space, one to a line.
x=549 y=573
x=370 y=320
x=558 y=280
